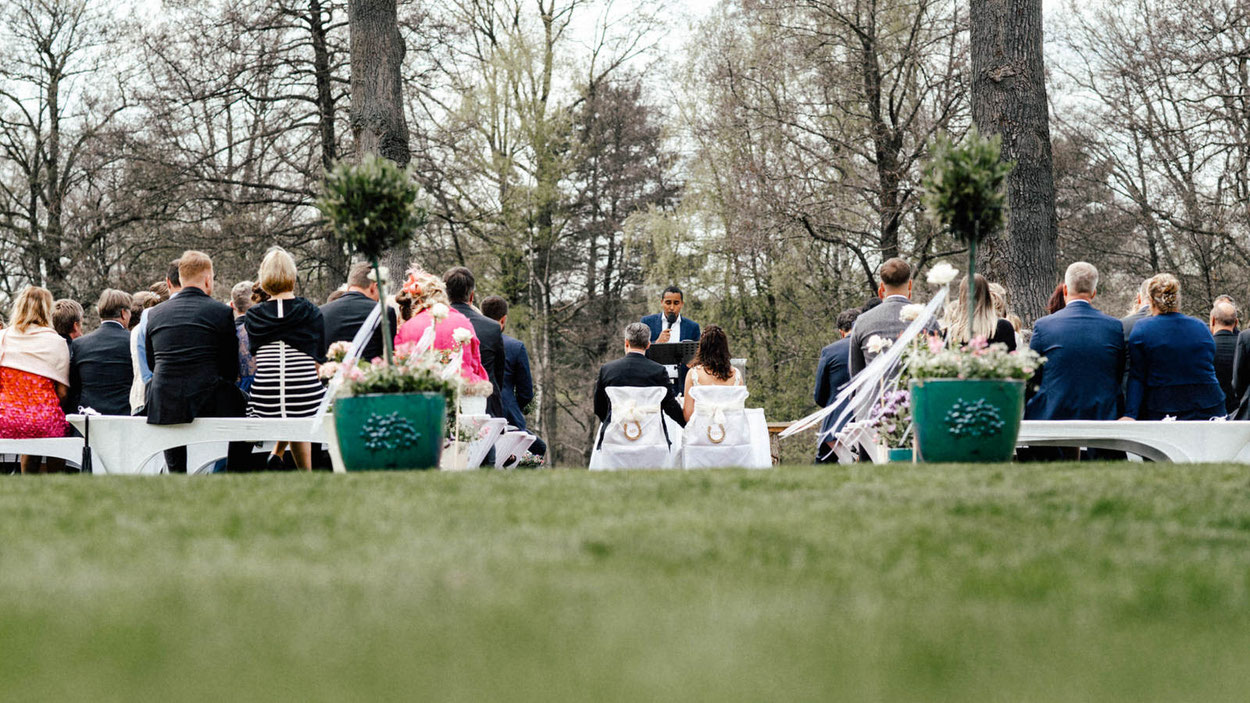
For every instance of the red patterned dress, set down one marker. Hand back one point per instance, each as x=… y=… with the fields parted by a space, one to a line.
x=29 y=407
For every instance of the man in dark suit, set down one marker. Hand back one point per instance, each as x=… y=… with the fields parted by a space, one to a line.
x=1085 y=356
x=670 y=326
x=833 y=372
x=1224 y=329
x=637 y=371
x=100 y=370
x=194 y=351
x=344 y=316
x=518 y=382
x=883 y=320
x=461 y=289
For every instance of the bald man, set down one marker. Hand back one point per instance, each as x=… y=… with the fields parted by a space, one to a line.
x=1224 y=329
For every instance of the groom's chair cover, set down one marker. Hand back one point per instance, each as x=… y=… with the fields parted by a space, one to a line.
x=636 y=437
x=723 y=433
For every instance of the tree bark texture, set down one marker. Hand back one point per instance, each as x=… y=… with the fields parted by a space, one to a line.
x=1009 y=99
x=377 y=55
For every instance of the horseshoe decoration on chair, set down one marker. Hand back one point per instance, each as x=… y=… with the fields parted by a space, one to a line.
x=716 y=439
x=637 y=430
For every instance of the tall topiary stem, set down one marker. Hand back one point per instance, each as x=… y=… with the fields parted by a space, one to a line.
x=387 y=341
x=972 y=279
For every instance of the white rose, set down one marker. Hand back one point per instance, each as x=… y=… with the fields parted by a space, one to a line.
x=910 y=313
x=462 y=335
x=878 y=344
x=440 y=312
x=942 y=274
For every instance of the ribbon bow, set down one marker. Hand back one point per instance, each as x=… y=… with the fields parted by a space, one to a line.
x=630 y=413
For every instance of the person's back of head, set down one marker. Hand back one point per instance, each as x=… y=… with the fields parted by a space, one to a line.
x=1164 y=294
x=335 y=295
x=869 y=304
x=1143 y=295
x=195 y=268
x=1223 y=315
x=277 y=272
x=358 y=276
x=713 y=353
x=140 y=301
x=32 y=308
x=66 y=316
x=998 y=298
x=846 y=319
x=241 y=297
x=985 y=320
x=895 y=277
x=495 y=307
x=460 y=284
x=173 y=277
x=1081 y=280
x=1056 y=302
x=113 y=304
x=161 y=290
x=637 y=336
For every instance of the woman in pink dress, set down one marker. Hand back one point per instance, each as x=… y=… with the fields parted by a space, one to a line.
x=429 y=301
x=34 y=373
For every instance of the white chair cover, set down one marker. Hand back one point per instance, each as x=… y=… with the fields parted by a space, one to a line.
x=635 y=438
x=721 y=433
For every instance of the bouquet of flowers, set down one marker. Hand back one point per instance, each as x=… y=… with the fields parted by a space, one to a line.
x=891 y=417
x=977 y=360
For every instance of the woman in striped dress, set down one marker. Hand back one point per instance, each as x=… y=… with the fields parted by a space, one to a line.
x=286 y=336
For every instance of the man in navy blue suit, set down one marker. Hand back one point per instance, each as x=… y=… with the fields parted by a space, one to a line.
x=517 y=390
x=833 y=372
x=1084 y=352
x=670 y=326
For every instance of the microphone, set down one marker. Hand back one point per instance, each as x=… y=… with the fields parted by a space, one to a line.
x=671 y=317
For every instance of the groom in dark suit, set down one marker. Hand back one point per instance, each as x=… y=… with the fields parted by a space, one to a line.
x=194 y=351
x=670 y=326
x=637 y=371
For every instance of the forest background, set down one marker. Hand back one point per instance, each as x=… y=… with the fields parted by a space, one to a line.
x=581 y=155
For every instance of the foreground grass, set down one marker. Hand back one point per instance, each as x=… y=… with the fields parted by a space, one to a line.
x=1004 y=583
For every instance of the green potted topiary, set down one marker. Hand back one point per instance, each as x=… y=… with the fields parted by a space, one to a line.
x=388 y=414
x=967 y=402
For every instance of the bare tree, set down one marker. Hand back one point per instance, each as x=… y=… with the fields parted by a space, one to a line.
x=377 y=51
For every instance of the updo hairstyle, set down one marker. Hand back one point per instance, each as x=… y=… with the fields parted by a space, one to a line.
x=1165 y=293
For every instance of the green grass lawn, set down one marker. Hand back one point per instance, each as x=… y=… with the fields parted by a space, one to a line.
x=1120 y=582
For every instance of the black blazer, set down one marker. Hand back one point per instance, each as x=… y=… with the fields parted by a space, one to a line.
x=494 y=358
x=1225 y=351
x=194 y=352
x=100 y=372
x=637 y=371
x=343 y=319
x=1241 y=375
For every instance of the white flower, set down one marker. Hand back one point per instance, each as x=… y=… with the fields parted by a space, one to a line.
x=1169 y=418
x=440 y=312
x=942 y=274
x=386 y=274
x=878 y=344
x=462 y=335
x=911 y=312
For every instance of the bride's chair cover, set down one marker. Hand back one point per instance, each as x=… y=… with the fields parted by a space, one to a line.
x=636 y=437
x=723 y=433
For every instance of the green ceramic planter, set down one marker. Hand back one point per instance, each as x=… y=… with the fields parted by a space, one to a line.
x=967 y=420
x=900 y=456
x=390 y=432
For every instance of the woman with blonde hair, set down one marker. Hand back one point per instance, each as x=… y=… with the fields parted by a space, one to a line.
x=427 y=296
x=986 y=323
x=34 y=372
x=1171 y=361
x=286 y=336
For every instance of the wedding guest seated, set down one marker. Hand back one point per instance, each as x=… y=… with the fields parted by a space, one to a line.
x=426 y=292
x=336 y=294
x=1171 y=362
x=240 y=303
x=34 y=373
x=344 y=315
x=986 y=324
x=1001 y=300
x=883 y=320
x=286 y=336
x=1229 y=300
x=167 y=289
x=195 y=359
x=1223 y=322
x=833 y=372
x=101 y=372
x=719 y=433
x=461 y=289
x=67 y=319
x=518 y=382
x=1057 y=301
x=140 y=302
x=1084 y=351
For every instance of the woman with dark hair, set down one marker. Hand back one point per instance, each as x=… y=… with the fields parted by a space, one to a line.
x=1056 y=302
x=1171 y=369
x=710 y=366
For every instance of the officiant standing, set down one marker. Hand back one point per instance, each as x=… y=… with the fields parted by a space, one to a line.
x=670 y=326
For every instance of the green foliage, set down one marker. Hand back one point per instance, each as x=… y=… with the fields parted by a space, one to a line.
x=975 y=361
x=371 y=206
x=1106 y=582
x=963 y=186
x=399 y=379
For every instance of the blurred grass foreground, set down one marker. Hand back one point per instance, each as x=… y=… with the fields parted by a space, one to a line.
x=1115 y=582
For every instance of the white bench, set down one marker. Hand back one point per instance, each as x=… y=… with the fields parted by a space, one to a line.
x=1180 y=442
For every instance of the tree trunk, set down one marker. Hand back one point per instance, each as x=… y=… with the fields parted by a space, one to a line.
x=377 y=54
x=336 y=259
x=1009 y=99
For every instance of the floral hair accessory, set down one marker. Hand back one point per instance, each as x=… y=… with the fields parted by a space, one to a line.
x=412 y=287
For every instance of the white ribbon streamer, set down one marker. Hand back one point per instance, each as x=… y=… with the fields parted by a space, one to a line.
x=349 y=361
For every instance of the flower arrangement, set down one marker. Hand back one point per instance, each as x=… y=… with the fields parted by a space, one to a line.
x=529 y=460
x=976 y=361
x=891 y=417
